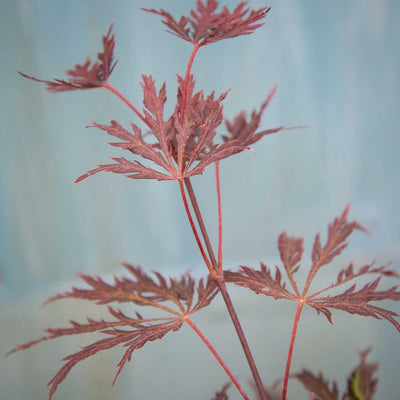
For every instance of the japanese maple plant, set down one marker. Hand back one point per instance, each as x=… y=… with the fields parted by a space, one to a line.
x=175 y=148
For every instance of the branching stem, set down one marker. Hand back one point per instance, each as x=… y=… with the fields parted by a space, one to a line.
x=215 y=269
x=242 y=338
x=290 y=352
x=200 y=221
x=193 y=226
x=217 y=356
x=217 y=274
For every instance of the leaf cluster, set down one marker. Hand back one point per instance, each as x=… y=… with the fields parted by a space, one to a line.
x=178 y=298
x=183 y=144
x=87 y=75
x=180 y=146
x=205 y=25
x=353 y=300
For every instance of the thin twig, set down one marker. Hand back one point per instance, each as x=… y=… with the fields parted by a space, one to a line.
x=290 y=352
x=127 y=102
x=200 y=221
x=242 y=339
x=218 y=357
x=187 y=74
x=218 y=276
x=219 y=216
x=193 y=226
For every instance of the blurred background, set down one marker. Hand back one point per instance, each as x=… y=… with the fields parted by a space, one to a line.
x=336 y=65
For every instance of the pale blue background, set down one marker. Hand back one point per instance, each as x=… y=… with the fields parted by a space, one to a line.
x=337 y=69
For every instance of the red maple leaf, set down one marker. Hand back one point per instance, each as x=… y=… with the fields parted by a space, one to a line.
x=205 y=25
x=131 y=332
x=182 y=145
x=86 y=75
x=353 y=300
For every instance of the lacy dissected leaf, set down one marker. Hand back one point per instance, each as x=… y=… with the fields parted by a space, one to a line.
x=353 y=300
x=222 y=394
x=362 y=384
x=206 y=25
x=338 y=232
x=180 y=146
x=261 y=281
x=88 y=75
x=357 y=302
x=175 y=144
x=130 y=332
x=318 y=385
x=145 y=290
x=136 y=333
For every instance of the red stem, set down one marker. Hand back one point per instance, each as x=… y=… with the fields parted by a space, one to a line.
x=218 y=276
x=242 y=337
x=200 y=221
x=219 y=216
x=127 y=102
x=193 y=226
x=217 y=356
x=188 y=184
x=187 y=74
x=290 y=352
